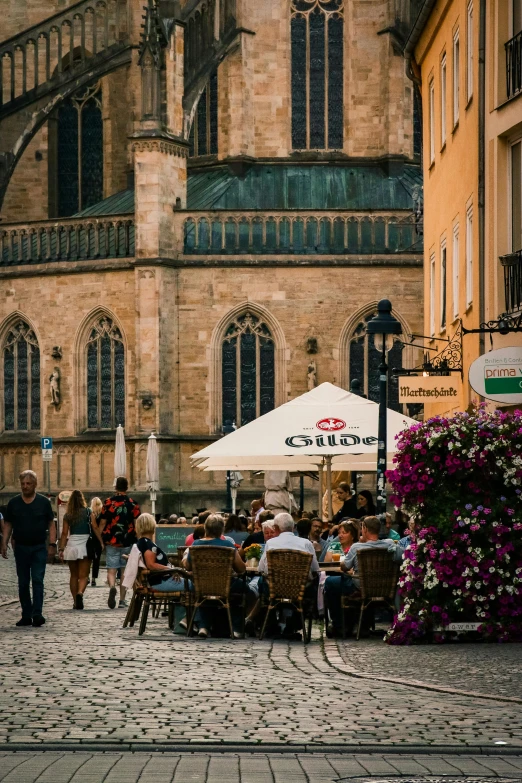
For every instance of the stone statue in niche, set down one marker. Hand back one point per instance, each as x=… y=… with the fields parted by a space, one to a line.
x=54 y=386
x=311 y=375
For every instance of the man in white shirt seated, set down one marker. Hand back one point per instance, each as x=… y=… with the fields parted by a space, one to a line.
x=287 y=540
x=336 y=586
x=289 y=623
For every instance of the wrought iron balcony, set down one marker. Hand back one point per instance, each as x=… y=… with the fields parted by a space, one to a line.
x=73 y=239
x=512 y=264
x=514 y=65
x=285 y=232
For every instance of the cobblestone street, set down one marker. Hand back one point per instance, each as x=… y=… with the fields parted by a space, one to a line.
x=85 y=684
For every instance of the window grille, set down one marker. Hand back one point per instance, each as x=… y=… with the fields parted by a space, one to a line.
x=105 y=376
x=317 y=35
x=80 y=152
x=203 y=138
x=21 y=379
x=364 y=361
x=248 y=370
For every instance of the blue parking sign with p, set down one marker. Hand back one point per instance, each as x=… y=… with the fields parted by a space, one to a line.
x=47 y=443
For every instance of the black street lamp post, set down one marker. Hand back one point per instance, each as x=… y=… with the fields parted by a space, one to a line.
x=383 y=326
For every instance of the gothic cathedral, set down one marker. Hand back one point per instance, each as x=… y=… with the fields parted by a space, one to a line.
x=199 y=201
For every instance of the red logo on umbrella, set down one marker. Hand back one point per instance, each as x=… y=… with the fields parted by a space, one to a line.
x=331 y=425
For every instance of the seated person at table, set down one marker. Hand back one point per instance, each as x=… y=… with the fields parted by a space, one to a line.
x=316 y=528
x=258 y=537
x=214 y=527
x=390 y=532
x=234 y=529
x=161 y=576
x=347 y=536
x=286 y=539
x=335 y=586
x=303 y=527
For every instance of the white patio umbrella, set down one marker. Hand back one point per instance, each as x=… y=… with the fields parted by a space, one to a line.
x=152 y=470
x=326 y=426
x=120 y=454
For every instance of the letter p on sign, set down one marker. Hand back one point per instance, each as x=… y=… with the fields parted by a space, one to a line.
x=47 y=443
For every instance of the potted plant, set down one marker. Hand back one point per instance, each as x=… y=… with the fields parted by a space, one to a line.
x=253 y=555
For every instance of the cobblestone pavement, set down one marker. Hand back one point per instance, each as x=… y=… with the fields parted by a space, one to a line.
x=82 y=678
x=252 y=768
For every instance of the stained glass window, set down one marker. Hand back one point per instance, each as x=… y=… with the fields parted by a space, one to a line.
x=248 y=370
x=80 y=152
x=105 y=376
x=203 y=138
x=317 y=39
x=364 y=361
x=21 y=379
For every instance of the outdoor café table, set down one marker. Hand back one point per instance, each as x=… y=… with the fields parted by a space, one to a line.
x=330 y=568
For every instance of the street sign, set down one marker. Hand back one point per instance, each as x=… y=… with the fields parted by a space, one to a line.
x=497 y=375
x=429 y=388
x=47 y=449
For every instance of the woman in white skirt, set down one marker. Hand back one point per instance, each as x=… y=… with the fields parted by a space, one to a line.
x=77 y=524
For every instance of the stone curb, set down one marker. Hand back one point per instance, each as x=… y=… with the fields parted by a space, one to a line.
x=336 y=661
x=176 y=746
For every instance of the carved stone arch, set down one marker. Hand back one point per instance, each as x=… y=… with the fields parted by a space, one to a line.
x=347 y=333
x=80 y=362
x=215 y=360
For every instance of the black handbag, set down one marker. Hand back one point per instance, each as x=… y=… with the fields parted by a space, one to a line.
x=91 y=546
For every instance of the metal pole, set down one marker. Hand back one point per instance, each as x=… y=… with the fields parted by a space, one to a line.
x=329 y=485
x=233 y=493
x=229 y=492
x=320 y=498
x=382 y=441
x=48 y=465
x=301 y=493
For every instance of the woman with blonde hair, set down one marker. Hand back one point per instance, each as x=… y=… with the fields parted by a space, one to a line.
x=76 y=532
x=162 y=576
x=96 y=507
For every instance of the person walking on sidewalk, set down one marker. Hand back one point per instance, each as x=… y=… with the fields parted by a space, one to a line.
x=77 y=530
x=96 y=508
x=30 y=517
x=117 y=528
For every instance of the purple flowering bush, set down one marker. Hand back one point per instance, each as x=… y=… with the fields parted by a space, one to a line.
x=462 y=479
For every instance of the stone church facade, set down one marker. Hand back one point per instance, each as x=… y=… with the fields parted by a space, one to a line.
x=201 y=203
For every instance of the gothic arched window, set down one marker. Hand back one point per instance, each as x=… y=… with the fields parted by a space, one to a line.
x=21 y=379
x=248 y=370
x=364 y=361
x=317 y=74
x=79 y=179
x=203 y=138
x=105 y=376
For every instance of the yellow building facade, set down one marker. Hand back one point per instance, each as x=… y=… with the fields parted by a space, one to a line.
x=472 y=153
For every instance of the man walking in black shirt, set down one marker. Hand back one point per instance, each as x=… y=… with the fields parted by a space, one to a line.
x=29 y=516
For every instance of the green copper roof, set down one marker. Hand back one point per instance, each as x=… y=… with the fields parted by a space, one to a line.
x=287 y=186
x=303 y=187
x=121 y=203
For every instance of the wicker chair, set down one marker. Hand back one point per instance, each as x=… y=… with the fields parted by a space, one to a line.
x=212 y=572
x=378 y=576
x=144 y=597
x=288 y=574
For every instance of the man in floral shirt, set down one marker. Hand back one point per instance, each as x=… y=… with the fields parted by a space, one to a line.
x=116 y=526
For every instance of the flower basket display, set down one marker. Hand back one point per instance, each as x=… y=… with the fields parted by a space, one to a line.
x=461 y=478
x=253 y=555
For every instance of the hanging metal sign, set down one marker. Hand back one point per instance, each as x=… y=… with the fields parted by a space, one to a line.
x=429 y=388
x=497 y=375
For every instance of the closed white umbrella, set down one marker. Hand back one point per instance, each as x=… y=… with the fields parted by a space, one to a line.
x=120 y=454
x=235 y=482
x=152 y=470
